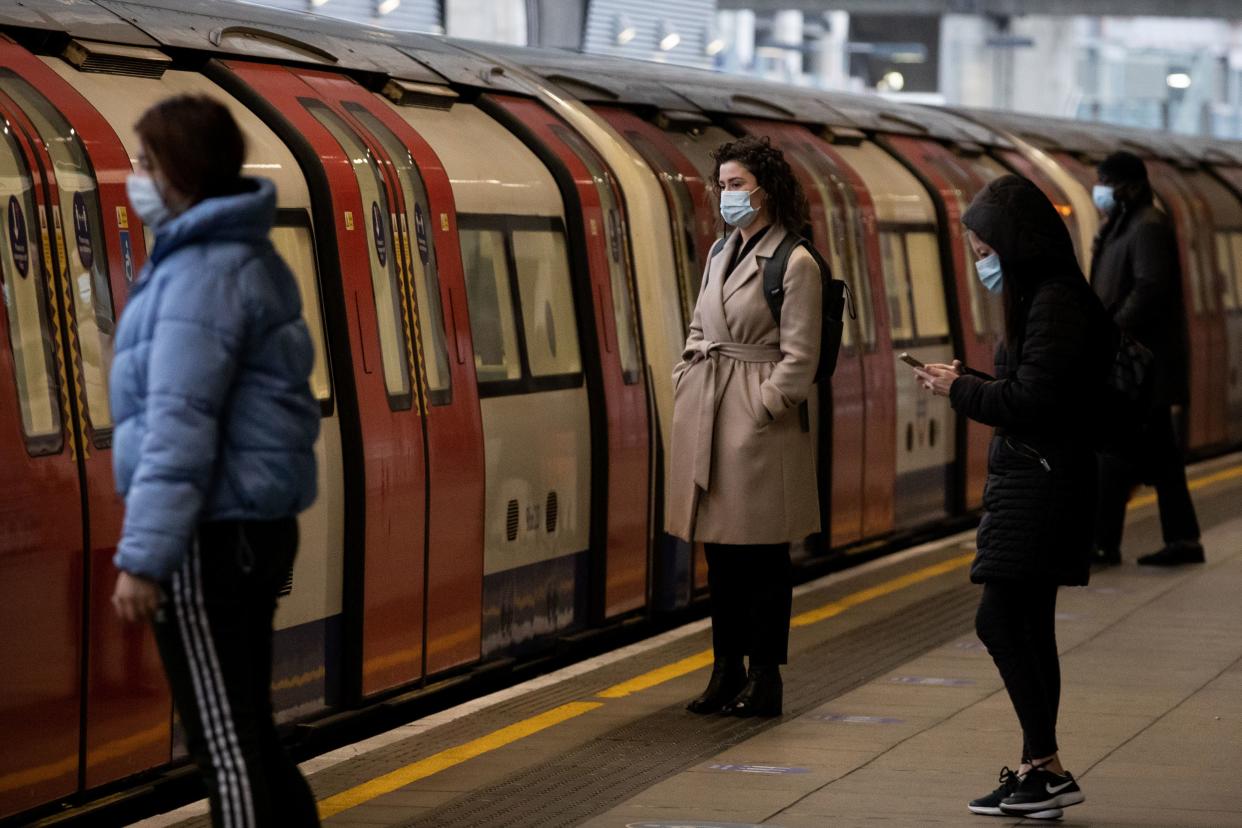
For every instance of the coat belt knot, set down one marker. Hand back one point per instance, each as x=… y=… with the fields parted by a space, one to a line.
x=713 y=387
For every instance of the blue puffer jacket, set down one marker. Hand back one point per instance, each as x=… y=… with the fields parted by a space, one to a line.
x=214 y=416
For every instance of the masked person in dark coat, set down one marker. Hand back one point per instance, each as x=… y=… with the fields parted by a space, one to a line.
x=1039 y=501
x=1135 y=272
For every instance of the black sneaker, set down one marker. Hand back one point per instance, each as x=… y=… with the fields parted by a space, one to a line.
x=1042 y=790
x=990 y=805
x=1175 y=554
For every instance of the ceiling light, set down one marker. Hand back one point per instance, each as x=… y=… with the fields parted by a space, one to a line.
x=1178 y=80
x=669 y=39
x=893 y=81
x=626 y=31
x=387 y=6
x=314 y=4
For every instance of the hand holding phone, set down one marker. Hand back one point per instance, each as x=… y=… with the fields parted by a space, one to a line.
x=913 y=362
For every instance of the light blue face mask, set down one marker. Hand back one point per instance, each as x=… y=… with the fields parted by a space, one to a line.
x=1103 y=197
x=735 y=207
x=990 y=276
x=145 y=198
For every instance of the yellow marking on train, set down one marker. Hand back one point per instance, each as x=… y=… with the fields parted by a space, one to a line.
x=445 y=759
x=803 y=619
x=108 y=751
x=1231 y=473
x=300 y=680
x=122 y=218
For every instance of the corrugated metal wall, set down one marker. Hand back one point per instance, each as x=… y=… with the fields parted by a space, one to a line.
x=692 y=19
x=411 y=15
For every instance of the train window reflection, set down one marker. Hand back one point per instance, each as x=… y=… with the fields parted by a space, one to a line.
x=547 y=303
x=79 y=243
x=490 y=302
x=1224 y=266
x=897 y=287
x=931 y=317
x=291 y=236
x=1235 y=241
x=26 y=313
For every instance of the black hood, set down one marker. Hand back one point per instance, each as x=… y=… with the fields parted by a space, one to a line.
x=1018 y=221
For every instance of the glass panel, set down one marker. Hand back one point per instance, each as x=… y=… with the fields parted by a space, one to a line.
x=931 y=318
x=294 y=243
x=1235 y=240
x=390 y=307
x=547 y=303
x=897 y=287
x=617 y=239
x=1224 y=266
x=430 y=314
x=490 y=302
x=836 y=250
x=79 y=235
x=22 y=281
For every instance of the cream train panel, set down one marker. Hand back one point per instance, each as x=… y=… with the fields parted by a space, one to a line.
x=698 y=147
x=317 y=572
x=898 y=195
x=1085 y=214
x=651 y=239
x=491 y=171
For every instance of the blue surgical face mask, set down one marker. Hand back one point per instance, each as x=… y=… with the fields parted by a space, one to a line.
x=147 y=201
x=735 y=207
x=1103 y=197
x=989 y=269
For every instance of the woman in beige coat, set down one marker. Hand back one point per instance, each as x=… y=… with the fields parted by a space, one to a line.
x=742 y=477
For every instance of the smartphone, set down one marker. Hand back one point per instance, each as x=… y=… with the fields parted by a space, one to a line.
x=911 y=361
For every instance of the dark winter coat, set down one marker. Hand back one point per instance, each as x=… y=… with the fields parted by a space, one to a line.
x=1039 y=499
x=1136 y=272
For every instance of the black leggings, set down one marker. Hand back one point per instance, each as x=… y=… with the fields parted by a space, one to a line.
x=1017 y=623
x=752 y=594
x=215 y=637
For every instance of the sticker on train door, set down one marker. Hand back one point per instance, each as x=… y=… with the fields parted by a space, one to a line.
x=614 y=225
x=420 y=232
x=82 y=231
x=377 y=222
x=19 y=244
x=127 y=257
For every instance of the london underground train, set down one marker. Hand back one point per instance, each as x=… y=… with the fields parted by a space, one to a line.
x=498 y=250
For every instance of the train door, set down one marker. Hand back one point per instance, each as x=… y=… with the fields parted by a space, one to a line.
x=925 y=435
x=1232 y=176
x=309 y=612
x=683 y=570
x=1027 y=168
x=1205 y=325
x=121 y=715
x=946 y=175
x=379 y=385
x=524 y=322
x=839 y=409
x=600 y=236
x=429 y=253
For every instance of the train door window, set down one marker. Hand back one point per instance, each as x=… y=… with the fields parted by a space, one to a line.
x=1224 y=266
x=1235 y=243
x=78 y=234
x=385 y=278
x=547 y=303
x=836 y=241
x=617 y=238
x=931 y=317
x=897 y=286
x=25 y=303
x=681 y=206
x=490 y=302
x=293 y=240
x=422 y=255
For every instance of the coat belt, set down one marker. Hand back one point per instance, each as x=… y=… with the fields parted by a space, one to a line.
x=709 y=402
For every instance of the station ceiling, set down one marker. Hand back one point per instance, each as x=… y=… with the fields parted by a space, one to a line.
x=1227 y=9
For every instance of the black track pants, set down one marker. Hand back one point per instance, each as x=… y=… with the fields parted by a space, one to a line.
x=215 y=637
x=1017 y=623
x=752 y=595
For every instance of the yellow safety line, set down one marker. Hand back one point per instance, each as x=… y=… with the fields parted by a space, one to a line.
x=401 y=777
x=658 y=676
x=1193 y=485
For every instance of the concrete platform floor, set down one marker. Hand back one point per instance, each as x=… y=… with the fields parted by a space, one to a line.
x=895 y=714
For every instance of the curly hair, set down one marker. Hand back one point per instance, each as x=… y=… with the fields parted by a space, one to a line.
x=785 y=198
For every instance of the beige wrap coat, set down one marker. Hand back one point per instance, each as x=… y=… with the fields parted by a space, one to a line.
x=742 y=465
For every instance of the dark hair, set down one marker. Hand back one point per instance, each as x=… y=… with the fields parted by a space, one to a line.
x=1127 y=174
x=196 y=144
x=785 y=199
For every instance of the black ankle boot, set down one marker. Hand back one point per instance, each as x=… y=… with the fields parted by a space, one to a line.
x=761 y=696
x=728 y=678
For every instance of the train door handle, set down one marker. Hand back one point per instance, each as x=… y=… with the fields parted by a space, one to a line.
x=362 y=339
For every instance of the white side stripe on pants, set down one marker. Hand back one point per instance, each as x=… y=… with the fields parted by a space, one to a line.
x=214 y=711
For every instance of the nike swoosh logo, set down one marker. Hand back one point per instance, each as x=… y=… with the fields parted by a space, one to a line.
x=1058 y=788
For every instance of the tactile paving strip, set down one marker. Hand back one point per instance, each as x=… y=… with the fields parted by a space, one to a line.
x=612 y=768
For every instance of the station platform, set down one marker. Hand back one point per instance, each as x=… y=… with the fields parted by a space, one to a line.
x=894 y=713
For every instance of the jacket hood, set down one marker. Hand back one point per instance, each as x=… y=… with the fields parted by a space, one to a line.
x=245 y=216
x=1019 y=222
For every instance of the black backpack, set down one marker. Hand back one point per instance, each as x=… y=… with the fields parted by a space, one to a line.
x=835 y=292
x=1126 y=396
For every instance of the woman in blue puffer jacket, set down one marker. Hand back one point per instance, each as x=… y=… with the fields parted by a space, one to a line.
x=213 y=450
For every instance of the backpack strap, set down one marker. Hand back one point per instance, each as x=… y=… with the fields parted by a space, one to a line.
x=774 y=272
x=716 y=248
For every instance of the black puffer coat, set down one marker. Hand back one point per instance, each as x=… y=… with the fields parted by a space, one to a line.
x=1039 y=500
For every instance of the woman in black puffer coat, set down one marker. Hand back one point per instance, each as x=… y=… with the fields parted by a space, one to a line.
x=1039 y=501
